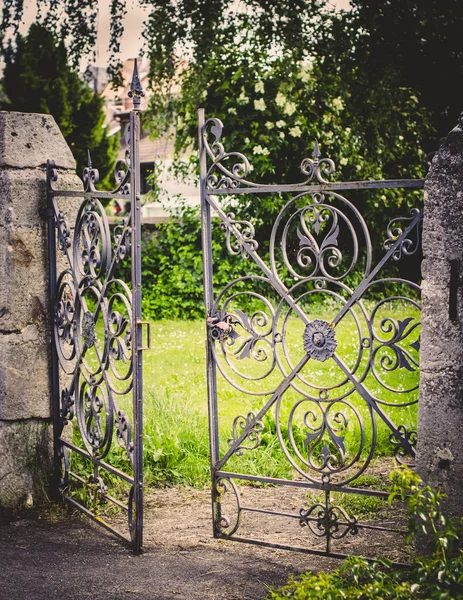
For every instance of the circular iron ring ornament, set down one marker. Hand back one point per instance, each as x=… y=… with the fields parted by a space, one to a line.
x=319 y=340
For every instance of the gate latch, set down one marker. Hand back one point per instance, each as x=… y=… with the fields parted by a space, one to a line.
x=221 y=326
x=148 y=335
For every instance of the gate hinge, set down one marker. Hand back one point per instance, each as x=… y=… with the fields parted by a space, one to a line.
x=148 y=335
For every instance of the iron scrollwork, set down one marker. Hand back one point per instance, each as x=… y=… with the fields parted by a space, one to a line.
x=95 y=318
x=328 y=521
x=240 y=423
x=334 y=393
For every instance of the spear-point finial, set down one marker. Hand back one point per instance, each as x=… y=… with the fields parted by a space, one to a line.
x=316 y=151
x=136 y=91
x=89 y=159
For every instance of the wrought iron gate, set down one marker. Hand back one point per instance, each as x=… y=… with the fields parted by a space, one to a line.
x=307 y=338
x=97 y=342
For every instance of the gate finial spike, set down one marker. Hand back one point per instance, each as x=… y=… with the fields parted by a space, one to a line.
x=316 y=151
x=136 y=91
x=89 y=159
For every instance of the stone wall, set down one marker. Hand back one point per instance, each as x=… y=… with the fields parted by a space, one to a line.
x=26 y=142
x=440 y=421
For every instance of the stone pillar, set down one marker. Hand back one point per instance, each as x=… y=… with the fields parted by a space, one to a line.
x=440 y=413
x=26 y=142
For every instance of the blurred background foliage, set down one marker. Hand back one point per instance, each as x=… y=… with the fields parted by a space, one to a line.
x=376 y=85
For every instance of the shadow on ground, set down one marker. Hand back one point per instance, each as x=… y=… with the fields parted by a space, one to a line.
x=71 y=558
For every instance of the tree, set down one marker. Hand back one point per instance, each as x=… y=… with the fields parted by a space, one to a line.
x=38 y=78
x=420 y=41
x=277 y=90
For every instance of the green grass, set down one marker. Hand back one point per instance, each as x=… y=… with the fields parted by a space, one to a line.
x=175 y=401
x=176 y=443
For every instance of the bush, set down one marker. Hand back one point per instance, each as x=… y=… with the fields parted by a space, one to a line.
x=172 y=269
x=439 y=575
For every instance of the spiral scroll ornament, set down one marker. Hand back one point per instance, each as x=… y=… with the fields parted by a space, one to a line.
x=316 y=167
x=328 y=521
x=253 y=430
x=396 y=228
x=228 y=521
x=243 y=241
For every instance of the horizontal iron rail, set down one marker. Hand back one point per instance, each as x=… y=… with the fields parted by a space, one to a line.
x=82 y=194
x=358 y=524
x=305 y=550
x=323 y=487
x=95 y=461
x=324 y=187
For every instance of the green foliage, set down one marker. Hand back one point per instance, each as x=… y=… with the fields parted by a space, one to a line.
x=279 y=81
x=38 y=78
x=172 y=267
x=439 y=575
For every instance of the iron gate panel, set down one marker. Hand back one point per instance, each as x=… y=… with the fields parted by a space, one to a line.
x=97 y=342
x=330 y=398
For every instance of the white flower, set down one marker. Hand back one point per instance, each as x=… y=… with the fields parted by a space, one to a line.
x=242 y=98
x=280 y=99
x=260 y=104
x=289 y=108
x=329 y=134
x=348 y=130
x=401 y=137
x=343 y=161
x=269 y=125
x=259 y=87
x=232 y=110
x=338 y=103
x=295 y=131
x=282 y=135
x=280 y=123
x=204 y=95
x=246 y=140
x=259 y=150
x=306 y=68
x=358 y=167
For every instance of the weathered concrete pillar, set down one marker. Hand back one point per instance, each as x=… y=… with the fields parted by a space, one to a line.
x=440 y=421
x=26 y=142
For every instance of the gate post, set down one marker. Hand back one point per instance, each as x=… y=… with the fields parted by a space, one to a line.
x=440 y=414
x=26 y=454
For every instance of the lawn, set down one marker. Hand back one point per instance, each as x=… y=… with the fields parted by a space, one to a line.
x=175 y=401
x=176 y=443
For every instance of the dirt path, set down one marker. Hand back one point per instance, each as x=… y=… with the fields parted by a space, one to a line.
x=74 y=559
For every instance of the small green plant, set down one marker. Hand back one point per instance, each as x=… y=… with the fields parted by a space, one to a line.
x=437 y=576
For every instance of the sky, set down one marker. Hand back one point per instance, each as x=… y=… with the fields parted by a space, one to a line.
x=132 y=41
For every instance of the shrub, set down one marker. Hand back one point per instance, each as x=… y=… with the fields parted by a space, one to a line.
x=439 y=575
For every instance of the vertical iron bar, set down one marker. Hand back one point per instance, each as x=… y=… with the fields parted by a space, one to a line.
x=328 y=521
x=137 y=330
x=206 y=239
x=54 y=357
